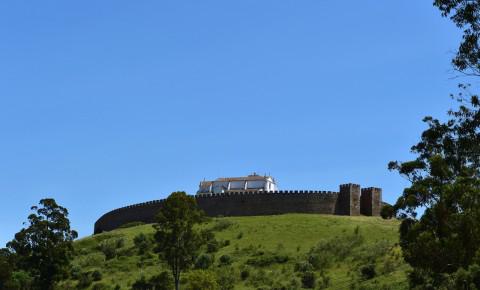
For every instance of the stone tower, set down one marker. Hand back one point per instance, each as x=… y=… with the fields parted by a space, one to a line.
x=348 y=202
x=371 y=201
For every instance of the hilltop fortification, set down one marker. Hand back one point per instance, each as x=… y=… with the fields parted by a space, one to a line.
x=256 y=200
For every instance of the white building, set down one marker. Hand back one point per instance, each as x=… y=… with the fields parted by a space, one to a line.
x=252 y=182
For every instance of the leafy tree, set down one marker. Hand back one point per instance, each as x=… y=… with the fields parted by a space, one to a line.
x=178 y=241
x=44 y=249
x=445 y=181
x=6 y=269
x=466 y=15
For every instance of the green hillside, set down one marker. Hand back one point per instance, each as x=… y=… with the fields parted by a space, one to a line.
x=263 y=252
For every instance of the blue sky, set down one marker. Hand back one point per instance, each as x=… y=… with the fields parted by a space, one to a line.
x=108 y=103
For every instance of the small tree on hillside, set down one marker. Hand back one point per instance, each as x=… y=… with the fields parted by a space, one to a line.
x=44 y=249
x=178 y=241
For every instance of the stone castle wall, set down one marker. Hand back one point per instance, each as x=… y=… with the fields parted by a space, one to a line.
x=349 y=201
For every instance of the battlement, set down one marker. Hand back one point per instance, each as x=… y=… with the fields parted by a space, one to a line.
x=349 y=200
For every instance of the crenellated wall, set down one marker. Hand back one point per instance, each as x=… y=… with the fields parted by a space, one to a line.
x=344 y=202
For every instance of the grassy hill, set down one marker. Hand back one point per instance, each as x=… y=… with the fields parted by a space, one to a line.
x=263 y=252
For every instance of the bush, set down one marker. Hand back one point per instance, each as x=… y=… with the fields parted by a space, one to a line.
x=225 y=260
x=308 y=279
x=263 y=259
x=244 y=274
x=85 y=280
x=202 y=280
x=226 y=278
x=142 y=243
x=212 y=246
x=204 y=261
x=368 y=271
x=221 y=225
x=141 y=284
x=75 y=272
x=108 y=248
x=162 y=281
x=303 y=266
x=96 y=275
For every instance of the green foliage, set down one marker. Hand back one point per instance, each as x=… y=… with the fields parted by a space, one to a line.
x=178 y=241
x=265 y=258
x=368 y=271
x=221 y=225
x=225 y=260
x=387 y=211
x=464 y=13
x=163 y=281
x=6 y=269
x=142 y=243
x=308 y=279
x=96 y=275
x=45 y=248
x=445 y=180
x=335 y=249
x=85 y=280
x=202 y=280
x=279 y=234
x=110 y=247
x=204 y=261
x=226 y=278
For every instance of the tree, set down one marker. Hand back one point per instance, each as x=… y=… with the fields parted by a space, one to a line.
x=44 y=249
x=178 y=241
x=6 y=269
x=445 y=181
x=466 y=15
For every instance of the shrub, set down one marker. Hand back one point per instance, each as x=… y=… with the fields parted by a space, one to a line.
x=142 y=243
x=162 y=281
x=84 y=281
x=108 y=248
x=263 y=259
x=119 y=243
x=96 y=275
x=212 y=246
x=225 y=260
x=303 y=266
x=226 y=278
x=204 y=261
x=221 y=225
x=308 y=279
x=141 y=284
x=244 y=274
x=75 y=272
x=368 y=271
x=240 y=235
x=202 y=280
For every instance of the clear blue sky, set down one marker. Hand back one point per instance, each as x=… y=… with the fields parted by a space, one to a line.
x=108 y=103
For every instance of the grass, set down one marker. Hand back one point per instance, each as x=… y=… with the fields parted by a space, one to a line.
x=269 y=248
